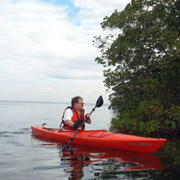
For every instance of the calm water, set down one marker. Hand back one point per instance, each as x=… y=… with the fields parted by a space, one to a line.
x=25 y=157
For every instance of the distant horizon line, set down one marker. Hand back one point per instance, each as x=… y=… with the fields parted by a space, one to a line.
x=33 y=101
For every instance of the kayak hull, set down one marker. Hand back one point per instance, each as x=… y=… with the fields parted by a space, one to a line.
x=101 y=139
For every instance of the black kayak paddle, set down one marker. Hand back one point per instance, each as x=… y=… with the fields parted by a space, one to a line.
x=99 y=103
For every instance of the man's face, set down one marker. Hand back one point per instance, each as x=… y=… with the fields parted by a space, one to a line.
x=80 y=104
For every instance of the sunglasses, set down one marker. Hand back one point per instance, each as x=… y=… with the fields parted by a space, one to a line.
x=81 y=103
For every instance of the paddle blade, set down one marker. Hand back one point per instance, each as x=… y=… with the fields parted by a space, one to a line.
x=99 y=102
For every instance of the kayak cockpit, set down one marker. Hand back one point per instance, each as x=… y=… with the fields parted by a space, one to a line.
x=67 y=130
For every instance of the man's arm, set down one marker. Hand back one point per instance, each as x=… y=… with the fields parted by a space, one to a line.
x=69 y=123
x=67 y=117
x=89 y=120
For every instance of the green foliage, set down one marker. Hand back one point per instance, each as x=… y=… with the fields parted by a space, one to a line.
x=142 y=66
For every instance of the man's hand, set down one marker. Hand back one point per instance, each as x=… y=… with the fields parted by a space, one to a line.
x=77 y=124
x=87 y=117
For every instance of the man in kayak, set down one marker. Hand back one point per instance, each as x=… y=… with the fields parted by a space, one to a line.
x=73 y=115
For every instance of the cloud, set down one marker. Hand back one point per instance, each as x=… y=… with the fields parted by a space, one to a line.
x=46 y=52
x=92 y=12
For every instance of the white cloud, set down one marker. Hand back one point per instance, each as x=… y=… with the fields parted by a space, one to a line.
x=92 y=12
x=45 y=54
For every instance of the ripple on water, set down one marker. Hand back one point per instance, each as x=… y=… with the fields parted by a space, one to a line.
x=11 y=133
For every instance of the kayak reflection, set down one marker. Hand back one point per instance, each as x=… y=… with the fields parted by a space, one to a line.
x=108 y=161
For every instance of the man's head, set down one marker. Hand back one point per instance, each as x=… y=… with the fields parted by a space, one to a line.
x=77 y=102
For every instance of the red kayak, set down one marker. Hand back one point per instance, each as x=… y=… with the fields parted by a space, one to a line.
x=101 y=139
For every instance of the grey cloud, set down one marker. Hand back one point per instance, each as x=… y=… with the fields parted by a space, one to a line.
x=42 y=48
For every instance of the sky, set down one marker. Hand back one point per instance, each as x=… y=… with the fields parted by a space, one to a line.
x=46 y=49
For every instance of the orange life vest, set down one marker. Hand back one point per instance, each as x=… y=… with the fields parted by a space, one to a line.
x=76 y=116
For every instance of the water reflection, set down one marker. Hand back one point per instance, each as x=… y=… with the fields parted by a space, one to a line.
x=105 y=163
x=82 y=162
x=76 y=163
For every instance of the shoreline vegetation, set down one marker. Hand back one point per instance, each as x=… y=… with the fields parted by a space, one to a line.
x=141 y=59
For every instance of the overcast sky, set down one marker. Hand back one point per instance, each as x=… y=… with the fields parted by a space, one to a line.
x=46 y=51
